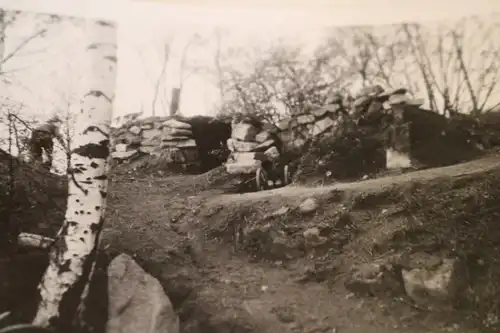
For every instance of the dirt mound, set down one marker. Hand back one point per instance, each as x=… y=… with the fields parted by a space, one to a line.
x=38 y=198
x=37 y=205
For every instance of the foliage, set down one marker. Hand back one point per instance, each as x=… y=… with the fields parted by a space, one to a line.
x=349 y=154
x=454 y=65
x=281 y=83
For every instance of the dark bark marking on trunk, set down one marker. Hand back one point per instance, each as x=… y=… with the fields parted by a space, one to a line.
x=94 y=165
x=98 y=93
x=71 y=298
x=74 y=170
x=101 y=177
x=104 y=23
x=73 y=179
x=93 y=150
x=95 y=46
x=111 y=58
x=95 y=129
x=94 y=227
x=93 y=256
x=103 y=194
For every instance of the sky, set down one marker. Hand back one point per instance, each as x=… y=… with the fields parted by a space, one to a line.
x=141 y=42
x=145 y=26
x=47 y=75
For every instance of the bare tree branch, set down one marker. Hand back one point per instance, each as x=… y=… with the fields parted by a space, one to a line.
x=463 y=68
x=22 y=45
x=161 y=76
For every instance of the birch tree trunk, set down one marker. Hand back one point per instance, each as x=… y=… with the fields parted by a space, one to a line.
x=65 y=283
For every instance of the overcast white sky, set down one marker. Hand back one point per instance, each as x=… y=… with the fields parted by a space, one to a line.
x=52 y=63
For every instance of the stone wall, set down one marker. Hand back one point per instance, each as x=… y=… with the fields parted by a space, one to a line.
x=409 y=136
x=166 y=137
x=253 y=141
x=311 y=123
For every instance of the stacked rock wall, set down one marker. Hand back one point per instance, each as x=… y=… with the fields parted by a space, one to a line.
x=250 y=145
x=169 y=138
x=310 y=123
x=407 y=135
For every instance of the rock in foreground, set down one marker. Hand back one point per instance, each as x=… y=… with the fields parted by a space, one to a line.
x=137 y=302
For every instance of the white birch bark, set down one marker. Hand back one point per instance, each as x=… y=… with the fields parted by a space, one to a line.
x=72 y=257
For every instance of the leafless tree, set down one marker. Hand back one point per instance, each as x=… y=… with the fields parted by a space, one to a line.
x=280 y=81
x=161 y=77
x=454 y=64
x=458 y=63
x=218 y=62
x=8 y=20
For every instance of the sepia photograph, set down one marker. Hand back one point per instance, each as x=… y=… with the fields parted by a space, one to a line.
x=197 y=167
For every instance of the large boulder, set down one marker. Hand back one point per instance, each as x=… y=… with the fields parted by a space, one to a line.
x=436 y=285
x=137 y=301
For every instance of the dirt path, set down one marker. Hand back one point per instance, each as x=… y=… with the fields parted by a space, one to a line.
x=477 y=166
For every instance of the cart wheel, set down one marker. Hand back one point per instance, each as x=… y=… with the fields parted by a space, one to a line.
x=261 y=179
x=286 y=175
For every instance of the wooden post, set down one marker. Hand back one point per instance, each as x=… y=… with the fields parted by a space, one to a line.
x=175 y=101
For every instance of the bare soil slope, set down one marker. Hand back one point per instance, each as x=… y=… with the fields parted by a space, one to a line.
x=239 y=262
x=230 y=264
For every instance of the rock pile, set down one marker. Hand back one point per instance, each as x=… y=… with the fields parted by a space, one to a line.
x=251 y=144
x=167 y=137
x=311 y=122
x=178 y=144
x=371 y=100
